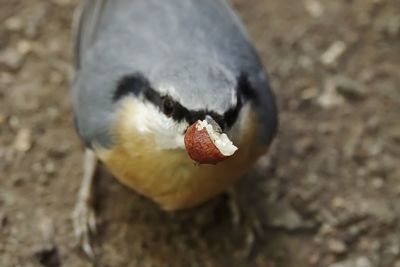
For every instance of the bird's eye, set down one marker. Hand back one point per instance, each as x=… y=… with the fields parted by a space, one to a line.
x=168 y=106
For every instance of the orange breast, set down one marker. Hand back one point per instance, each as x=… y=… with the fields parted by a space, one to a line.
x=170 y=177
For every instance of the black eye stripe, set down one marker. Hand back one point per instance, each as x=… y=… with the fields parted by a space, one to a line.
x=136 y=84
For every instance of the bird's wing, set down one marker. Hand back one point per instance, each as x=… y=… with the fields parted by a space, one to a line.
x=86 y=23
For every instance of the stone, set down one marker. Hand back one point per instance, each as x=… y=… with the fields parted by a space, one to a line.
x=11 y=59
x=333 y=53
x=23 y=140
x=337 y=246
x=349 y=88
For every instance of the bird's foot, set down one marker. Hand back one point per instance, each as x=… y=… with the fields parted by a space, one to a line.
x=248 y=222
x=84 y=219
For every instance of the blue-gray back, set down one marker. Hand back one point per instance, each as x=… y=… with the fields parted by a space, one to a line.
x=120 y=37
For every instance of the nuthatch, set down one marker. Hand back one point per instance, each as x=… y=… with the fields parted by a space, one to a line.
x=147 y=70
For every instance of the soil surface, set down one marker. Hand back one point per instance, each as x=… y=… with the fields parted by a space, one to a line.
x=327 y=195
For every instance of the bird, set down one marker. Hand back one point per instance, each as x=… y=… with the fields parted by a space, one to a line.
x=145 y=71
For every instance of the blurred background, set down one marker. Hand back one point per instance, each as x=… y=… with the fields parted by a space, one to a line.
x=331 y=189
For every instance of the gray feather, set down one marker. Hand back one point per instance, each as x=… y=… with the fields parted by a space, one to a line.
x=159 y=38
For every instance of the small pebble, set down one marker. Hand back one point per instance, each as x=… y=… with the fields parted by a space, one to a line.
x=349 y=88
x=329 y=98
x=11 y=59
x=314 y=8
x=23 y=140
x=377 y=183
x=24 y=47
x=332 y=54
x=338 y=202
x=49 y=167
x=14 y=23
x=309 y=93
x=337 y=246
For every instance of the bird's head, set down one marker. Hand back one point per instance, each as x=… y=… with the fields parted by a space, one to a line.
x=188 y=104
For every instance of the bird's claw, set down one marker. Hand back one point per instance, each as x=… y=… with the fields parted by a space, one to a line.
x=248 y=221
x=84 y=219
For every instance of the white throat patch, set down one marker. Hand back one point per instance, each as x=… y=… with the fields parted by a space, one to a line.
x=148 y=119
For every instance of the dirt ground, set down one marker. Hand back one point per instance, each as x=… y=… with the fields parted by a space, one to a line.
x=327 y=195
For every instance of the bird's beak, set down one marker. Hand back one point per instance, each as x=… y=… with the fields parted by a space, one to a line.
x=216 y=127
x=206 y=144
